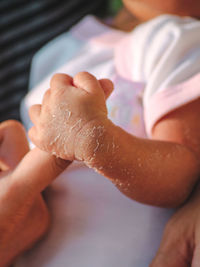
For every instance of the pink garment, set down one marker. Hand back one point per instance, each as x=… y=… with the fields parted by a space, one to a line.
x=163 y=55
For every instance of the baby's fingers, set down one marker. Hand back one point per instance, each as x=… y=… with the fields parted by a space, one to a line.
x=32 y=133
x=34 y=113
x=60 y=80
x=87 y=82
x=107 y=87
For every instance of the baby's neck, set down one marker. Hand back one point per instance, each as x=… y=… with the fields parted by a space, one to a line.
x=124 y=21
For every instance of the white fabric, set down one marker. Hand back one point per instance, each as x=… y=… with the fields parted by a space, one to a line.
x=165 y=52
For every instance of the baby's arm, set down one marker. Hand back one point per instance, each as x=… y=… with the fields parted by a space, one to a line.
x=155 y=172
x=73 y=123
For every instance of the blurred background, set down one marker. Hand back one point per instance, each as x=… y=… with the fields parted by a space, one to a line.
x=25 y=26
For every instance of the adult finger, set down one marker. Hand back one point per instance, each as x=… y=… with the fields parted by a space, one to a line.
x=14 y=144
x=35 y=172
x=60 y=80
x=107 y=87
x=87 y=82
x=34 y=113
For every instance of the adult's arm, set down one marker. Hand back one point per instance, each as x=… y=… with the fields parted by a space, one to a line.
x=180 y=245
x=24 y=217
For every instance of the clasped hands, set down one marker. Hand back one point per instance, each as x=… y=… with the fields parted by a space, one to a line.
x=24 y=217
x=68 y=107
x=24 y=174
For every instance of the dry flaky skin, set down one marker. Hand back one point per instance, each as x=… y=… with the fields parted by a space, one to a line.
x=66 y=109
x=146 y=170
x=72 y=123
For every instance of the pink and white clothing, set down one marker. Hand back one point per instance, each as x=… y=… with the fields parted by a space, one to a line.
x=155 y=69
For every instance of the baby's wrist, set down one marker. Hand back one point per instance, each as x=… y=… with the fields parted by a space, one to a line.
x=91 y=138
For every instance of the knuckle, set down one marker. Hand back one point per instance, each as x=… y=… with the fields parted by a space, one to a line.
x=59 y=80
x=82 y=75
x=56 y=77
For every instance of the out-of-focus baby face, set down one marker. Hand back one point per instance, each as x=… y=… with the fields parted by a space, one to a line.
x=152 y=8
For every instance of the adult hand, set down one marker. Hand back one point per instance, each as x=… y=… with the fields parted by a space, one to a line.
x=180 y=246
x=24 y=217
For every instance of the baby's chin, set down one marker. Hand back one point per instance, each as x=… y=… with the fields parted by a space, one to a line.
x=148 y=9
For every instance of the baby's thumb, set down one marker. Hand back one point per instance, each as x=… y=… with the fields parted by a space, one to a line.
x=107 y=87
x=36 y=171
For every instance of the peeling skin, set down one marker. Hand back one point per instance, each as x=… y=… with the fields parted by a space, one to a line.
x=75 y=125
x=96 y=131
x=55 y=140
x=69 y=113
x=96 y=146
x=111 y=147
x=101 y=131
x=53 y=153
x=57 y=128
x=113 y=144
x=123 y=186
x=127 y=161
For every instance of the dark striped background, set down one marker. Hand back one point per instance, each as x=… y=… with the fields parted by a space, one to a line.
x=26 y=25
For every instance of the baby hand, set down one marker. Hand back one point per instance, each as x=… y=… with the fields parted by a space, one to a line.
x=68 y=106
